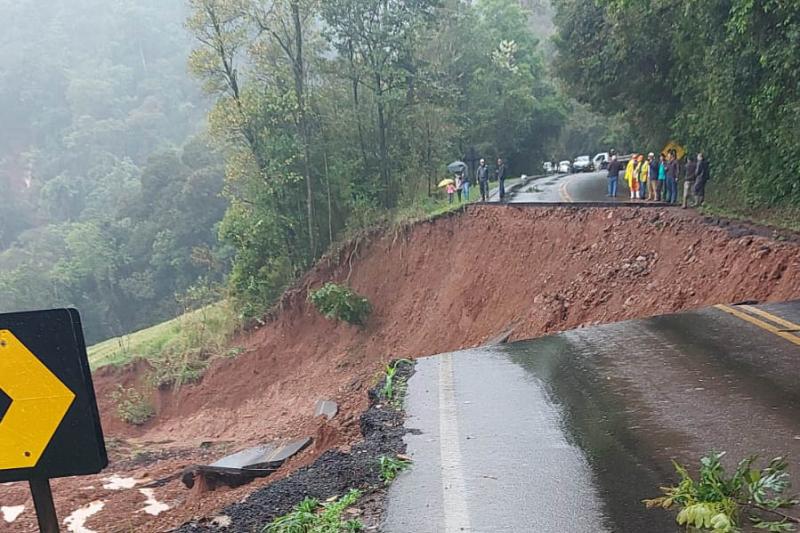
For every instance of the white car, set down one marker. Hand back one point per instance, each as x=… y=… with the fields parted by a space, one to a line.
x=601 y=161
x=564 y=167
x=582 y=163
x=548 y=167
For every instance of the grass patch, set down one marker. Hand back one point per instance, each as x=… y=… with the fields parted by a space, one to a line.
x=786 y=218
x=311 y=516
x=392 y=466
x=132 y=406
x=179 y=349
x=394 y=387
x=421 y=208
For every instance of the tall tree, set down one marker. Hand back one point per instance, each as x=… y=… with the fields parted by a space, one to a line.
x=287 y=22
x=377 y=36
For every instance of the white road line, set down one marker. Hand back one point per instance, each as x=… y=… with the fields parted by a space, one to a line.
x=454 y=494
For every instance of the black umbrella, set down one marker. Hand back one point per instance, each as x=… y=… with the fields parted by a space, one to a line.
x=456 y=167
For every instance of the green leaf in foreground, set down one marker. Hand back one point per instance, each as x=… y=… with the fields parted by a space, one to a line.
x=311 y=516
x=719 y=502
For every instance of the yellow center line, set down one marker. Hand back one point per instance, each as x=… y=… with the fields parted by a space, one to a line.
x=756 y=322
x=565 y=193
x=769 y=316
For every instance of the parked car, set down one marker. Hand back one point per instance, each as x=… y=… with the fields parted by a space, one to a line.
x=548 y=167
x=583 y=163
x=564 y=167
x=601 y=160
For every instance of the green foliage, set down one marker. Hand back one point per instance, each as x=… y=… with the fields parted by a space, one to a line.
x=405 y=94
x=179 y=350
x=718 y=76
x=132 y=406
x=144 y=236
x=105 y=194
x=393 y=386
x=310 y=516
x=391 y=467
x=719 y=502
x=341 y=303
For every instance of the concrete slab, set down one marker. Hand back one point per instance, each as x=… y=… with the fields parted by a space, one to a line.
x=328 y=408
x=265 y=457
x=244 y=466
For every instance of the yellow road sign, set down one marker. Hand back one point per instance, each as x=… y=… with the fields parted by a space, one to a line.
x=680 y=151
x=39 y=402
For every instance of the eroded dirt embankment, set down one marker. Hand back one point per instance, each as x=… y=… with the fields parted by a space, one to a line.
x=435 y=287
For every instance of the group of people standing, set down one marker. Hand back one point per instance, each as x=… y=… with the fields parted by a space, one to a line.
x=461 y=185
x=656 y=180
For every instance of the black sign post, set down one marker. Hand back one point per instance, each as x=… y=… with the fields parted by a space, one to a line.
x=45 y=508
x=50 y=426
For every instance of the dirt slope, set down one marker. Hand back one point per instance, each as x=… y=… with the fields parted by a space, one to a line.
x=435 y=287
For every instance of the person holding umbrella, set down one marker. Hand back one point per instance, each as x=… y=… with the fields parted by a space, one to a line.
x=449 y=185
x=459 y=168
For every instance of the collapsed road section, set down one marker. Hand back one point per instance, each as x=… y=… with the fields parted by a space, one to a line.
x=510 y=273
x=571 y=432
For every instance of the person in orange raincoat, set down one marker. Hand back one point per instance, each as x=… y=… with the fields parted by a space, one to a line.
x=631 y=178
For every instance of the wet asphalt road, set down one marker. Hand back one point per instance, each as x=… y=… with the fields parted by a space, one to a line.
x=585 y=187
x=570 y=432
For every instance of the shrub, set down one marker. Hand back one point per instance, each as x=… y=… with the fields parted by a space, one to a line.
x=720 y=502
x=341 y=303
x=392 y=466
x=311 y=516
x=132 y=407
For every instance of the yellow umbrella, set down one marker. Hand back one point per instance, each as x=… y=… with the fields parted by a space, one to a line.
x=445 y=183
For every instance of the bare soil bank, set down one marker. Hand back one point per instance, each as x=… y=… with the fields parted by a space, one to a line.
x=436 y=287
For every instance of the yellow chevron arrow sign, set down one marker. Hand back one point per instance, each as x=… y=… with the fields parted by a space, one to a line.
x=39 y=402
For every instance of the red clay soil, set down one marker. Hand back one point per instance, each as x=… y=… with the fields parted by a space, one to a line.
x=436 y=287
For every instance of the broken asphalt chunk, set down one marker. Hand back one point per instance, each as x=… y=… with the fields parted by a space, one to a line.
x=327 y=408
x=244 y=466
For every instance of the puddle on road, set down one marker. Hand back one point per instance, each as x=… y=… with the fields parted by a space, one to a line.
x=632 y=396
x=595 y=420
x=76 y=522
x=11 y=512
x=152 y=506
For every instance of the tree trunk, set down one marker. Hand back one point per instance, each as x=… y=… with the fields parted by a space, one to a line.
x=356 y=113
x=384 y=149
x=299 y=82
x=330 y=208
x=429 y=157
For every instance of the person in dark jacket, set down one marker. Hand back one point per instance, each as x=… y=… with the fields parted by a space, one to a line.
x=500 y=175
x=688 y=185
x=652 y=184
x=483 y=180
x=614 y=168
x=702 y=176
x=672 y=179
